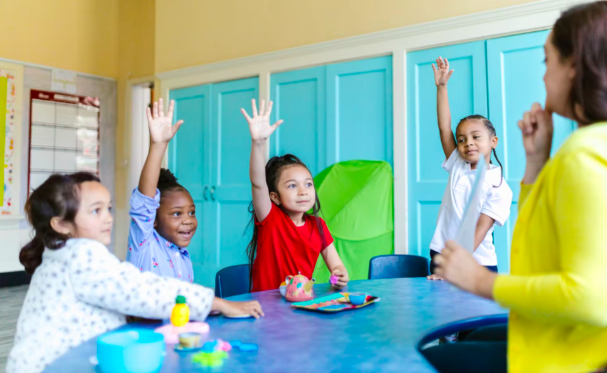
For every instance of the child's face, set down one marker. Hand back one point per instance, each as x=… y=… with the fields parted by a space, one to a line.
x=176 y=218
x=295 y=189
x=473 y=140
x=94 y=218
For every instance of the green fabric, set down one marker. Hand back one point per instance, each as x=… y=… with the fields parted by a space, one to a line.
x=358 y=206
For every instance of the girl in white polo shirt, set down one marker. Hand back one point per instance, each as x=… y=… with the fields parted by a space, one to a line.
x=475 y=137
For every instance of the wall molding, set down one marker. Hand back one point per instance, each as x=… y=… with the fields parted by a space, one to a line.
x=517 y=19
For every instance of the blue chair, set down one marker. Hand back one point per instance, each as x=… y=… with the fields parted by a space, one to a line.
x=398 y=266
x=231 y=281
x=483 y=352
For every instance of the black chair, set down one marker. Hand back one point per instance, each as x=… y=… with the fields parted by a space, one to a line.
x=398 y=266
x=231 y=281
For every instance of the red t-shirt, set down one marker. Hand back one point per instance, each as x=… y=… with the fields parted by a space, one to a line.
x=285 y=249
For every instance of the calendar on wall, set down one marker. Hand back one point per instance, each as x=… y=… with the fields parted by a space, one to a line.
x=64 y=135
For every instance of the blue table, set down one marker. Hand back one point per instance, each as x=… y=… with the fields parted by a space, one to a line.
x=379 y=337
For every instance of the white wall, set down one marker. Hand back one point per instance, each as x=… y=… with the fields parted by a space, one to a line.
x=16 y=233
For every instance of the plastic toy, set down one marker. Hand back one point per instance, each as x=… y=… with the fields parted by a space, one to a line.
x=333 y=280
x=189 y=339
x=132 y=351
x=283 y=289
x=181 y=312
x=299 y=288
x=336 y=302
x=210 y=359
x=171 y=333
x=357 y=299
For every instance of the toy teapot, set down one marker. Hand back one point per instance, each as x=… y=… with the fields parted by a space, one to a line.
x=299 y=288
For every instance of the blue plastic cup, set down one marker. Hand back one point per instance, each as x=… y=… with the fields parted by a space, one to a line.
x=131 y=351
x=357 y=298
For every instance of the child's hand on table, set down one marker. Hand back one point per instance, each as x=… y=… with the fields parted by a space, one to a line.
x=229 y=308
x=342 y=278
x=435 y=277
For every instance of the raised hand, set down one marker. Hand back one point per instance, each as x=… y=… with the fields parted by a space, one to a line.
x=537 y=129
x=161 y=126
x=259 y=124
x=441 y=71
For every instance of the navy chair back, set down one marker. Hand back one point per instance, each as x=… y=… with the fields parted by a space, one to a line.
x=231 y=281
x=398 y=266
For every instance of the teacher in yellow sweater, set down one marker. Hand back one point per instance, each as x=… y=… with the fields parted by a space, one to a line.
x=557 y=292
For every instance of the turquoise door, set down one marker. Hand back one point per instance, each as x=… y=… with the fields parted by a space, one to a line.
x=499 y=78
x=230 y=183
x=515 y=68
x=299 y=100
x=334 y=113
x=191 y=150
x=359 y=110
x=467 y=95
x=210 y=157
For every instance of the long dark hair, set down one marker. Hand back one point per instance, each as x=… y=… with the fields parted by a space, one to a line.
x=274 y=169
x=58 y=196
x=581 y=34
x=492 y=132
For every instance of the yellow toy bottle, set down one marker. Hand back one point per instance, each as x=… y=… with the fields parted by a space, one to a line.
x=181 y=312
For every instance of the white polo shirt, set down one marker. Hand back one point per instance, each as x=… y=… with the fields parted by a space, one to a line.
x=495 y=203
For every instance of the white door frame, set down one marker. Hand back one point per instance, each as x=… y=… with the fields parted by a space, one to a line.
x=529 y=17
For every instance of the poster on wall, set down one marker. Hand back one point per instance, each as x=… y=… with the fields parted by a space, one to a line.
x=11 y=85
x=64 y=135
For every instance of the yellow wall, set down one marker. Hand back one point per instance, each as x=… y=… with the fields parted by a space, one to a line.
x=194 y=32
x=135 y=60
x=80 y=35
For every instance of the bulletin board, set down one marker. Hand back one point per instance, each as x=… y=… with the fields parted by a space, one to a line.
x=64 y=135
x=11 y=92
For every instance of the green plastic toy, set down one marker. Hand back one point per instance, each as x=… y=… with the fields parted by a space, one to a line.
x=357 y=199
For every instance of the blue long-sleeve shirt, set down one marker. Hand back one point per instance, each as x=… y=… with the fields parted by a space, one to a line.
x=148 y=250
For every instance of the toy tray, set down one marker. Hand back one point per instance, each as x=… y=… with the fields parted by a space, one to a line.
x=333 y=303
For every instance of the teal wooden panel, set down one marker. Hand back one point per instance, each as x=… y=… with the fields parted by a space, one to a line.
x=359 y=110
x=467 y=95
x=189 y=155
x=299 y=100
x=515 y=69
x=231 y=148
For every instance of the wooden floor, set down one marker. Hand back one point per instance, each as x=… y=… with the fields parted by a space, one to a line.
x=11 y=300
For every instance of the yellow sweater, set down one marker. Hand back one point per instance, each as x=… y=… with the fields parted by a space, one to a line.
x=557 y=292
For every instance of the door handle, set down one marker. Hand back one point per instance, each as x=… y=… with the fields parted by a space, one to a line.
x=204 y=192
x=213 y=193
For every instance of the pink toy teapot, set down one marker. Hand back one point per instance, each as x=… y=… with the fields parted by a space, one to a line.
x=299 y=288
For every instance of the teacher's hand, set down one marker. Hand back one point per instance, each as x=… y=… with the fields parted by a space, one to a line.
x=457 y=266
x=537 y=130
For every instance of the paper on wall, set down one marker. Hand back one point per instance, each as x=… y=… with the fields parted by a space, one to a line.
x=64 y=81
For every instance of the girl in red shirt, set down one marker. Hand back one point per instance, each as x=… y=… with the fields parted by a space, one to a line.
x=286 y=239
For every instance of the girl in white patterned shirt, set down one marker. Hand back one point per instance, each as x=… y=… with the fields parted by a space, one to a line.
x=79 y=289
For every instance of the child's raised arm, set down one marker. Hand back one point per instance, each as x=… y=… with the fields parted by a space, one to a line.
x=261 y=130
x=441 y=77
x=162 y=131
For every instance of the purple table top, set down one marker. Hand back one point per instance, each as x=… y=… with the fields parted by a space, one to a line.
x=379 y=337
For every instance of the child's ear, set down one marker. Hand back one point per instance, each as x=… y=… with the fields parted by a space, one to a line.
x=494 y=142
x=275 y=198
x=61 y=226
